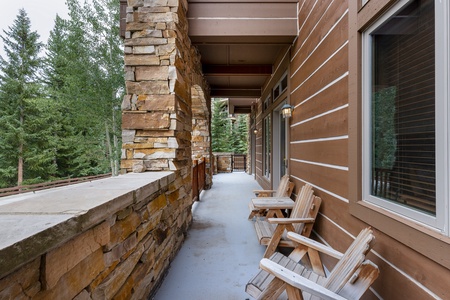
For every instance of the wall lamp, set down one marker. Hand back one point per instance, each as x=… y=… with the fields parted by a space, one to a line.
x=286 y=110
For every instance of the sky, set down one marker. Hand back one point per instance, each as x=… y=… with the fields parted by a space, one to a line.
x=42 y=14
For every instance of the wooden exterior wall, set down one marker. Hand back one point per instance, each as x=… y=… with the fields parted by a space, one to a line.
x=325 y=152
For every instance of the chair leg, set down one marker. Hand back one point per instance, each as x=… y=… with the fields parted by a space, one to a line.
x=293 y=293
x=316 y=262
x=276 y=237
x=273 y=290
x=274 y=241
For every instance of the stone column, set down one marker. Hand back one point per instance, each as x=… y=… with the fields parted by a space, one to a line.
x=157 y=118
x=201 y=132
x=160 y=67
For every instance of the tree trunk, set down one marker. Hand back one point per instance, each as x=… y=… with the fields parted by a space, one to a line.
x=20 y=166
x=20 y=160
x=108 y=143
x=116 y=146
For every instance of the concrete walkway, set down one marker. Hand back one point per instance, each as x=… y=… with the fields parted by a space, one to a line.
x=221 y=252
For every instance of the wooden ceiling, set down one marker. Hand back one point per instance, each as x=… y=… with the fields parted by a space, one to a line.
x=239 y=43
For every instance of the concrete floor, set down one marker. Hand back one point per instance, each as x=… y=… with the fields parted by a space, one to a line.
x=221 y=252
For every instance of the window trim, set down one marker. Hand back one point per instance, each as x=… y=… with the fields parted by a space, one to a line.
x=437 y=221
x=416 y=236
x=267 y=146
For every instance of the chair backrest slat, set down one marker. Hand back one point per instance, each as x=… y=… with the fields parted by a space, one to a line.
x=351 y=261
x=303 y=205
x=283 y=187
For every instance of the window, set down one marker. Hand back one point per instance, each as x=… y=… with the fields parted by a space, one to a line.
x=267 y=102
x=280 y=87
x=267 y=146
x=405 y=86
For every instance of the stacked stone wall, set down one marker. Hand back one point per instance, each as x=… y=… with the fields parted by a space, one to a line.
x=161 y=67
x=223 y=162
x=123 y=256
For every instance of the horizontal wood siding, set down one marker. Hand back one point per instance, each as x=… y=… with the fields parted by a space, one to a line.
x=331 y=125
x=332 y=152
x=319 y=152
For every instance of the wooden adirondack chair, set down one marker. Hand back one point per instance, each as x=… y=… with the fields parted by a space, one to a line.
x=272 y=231
x=349 y=279
x=284 y=189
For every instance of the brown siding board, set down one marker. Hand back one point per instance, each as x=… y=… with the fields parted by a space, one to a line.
x=315 y=14
x=330 y=98
x=330 y=18
x=336 y=39
x=306 y=7
x=331 y=70
x=332 y=180
x=429 y=273
x=333 y=124
x=328 y=152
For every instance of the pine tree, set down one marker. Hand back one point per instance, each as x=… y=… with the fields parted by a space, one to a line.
x=19 y=83
x=241 y=134
x=84 y=73
x=109 y=56
x=56 y=63
x=220 y=127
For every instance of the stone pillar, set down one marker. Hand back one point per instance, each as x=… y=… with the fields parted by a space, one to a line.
x=201 y=132
x=160 y=63
x=156 y=118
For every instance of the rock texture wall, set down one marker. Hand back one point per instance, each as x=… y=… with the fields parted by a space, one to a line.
x=201 y=132
x=223 y=162
x=123 y=253
x=161 y=68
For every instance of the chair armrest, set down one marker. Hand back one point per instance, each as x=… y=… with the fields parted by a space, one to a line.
x=290 y=220
x=264 y=191
x=297 y=281
x=314 y=245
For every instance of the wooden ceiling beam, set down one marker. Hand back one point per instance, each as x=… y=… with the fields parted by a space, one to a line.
x=241 y=93
x=237 y=70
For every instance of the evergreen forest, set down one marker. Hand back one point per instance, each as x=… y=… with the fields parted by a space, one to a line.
x=228 y=134
x=60 y=101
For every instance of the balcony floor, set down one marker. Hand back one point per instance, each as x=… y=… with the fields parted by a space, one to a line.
x=221 y=252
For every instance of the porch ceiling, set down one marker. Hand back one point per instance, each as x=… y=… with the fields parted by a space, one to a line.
x=239 y=44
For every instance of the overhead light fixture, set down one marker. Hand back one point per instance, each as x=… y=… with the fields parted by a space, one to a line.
x=286 y=110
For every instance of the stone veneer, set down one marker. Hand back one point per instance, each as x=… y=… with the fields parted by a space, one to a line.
x=162 y=67
x=111 y=238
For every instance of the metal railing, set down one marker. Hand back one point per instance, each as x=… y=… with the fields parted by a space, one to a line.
x=47 y=185
x=198 y=178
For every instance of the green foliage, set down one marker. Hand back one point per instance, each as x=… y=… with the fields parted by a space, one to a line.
x=53 y=110
x=85 y=51
x=383 y=128
x=220 y=127
x=241 y=134
x=19 y=83
x=227 y=136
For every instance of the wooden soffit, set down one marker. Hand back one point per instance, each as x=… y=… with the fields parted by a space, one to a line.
x=257 y=19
